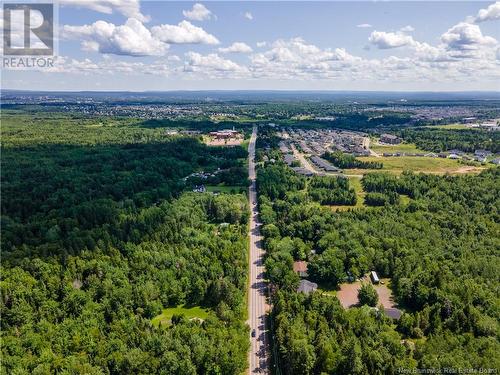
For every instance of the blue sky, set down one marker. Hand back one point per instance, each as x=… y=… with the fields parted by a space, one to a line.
x=132 y=45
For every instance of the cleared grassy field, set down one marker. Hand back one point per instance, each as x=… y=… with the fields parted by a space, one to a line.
x=403 y=147
x=397 y=165
x=451 y=126
x=189 y=312
x=222 y=117
x=224 y=189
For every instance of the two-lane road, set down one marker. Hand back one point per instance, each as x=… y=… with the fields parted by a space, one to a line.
x=259 y=350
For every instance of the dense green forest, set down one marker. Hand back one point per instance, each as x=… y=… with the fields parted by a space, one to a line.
x=356 y=121
x=440 y=249
x=438 y=140
x=331 y=190
x=326 y=190
x=98 y=235
x=100 y=232
x=381 y=199
x=344 y=161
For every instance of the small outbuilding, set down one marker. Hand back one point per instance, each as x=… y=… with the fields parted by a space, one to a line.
x=374 y=277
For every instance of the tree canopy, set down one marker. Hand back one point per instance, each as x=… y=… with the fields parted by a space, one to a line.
x=99 y=235
x=439 y=247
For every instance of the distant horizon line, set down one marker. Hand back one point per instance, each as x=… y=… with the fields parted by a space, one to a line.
x=257 y=90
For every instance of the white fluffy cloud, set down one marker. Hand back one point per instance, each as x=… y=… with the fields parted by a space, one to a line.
x=237 y=47
x=106 y=66
x=295 y=58
x=489 y=14
x=211 y=64
x=173 y=58
x=297 y=50
x=198 y=13
x=407 y=29
x=463 y=40
x=424 y=52
x=248 y=16
x=184 y=32
x=385 y=40
x=132 y=38
x=128 y=8
x=465 y=36
x=463 y=54
x=364 y=25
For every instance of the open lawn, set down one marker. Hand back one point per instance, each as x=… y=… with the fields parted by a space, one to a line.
x=397 y=165
x=451 y=126
x=327 y=290
x=189 y=312
x=229 y=189
x=402 y=147
x=226 y=117
x=360 y=194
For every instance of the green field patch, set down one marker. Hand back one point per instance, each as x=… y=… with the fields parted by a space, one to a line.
x=401 y=148
x=193 y=312
x=228 y=189
x=405 y=199
x=398 y=164
x=419 y=164
x=450 y=126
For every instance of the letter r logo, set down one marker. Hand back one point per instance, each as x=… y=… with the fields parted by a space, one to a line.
x=28 y=29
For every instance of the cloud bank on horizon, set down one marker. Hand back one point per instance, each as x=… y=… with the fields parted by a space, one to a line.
x=141 y=46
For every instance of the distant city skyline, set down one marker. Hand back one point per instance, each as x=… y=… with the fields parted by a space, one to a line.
x=368 y=46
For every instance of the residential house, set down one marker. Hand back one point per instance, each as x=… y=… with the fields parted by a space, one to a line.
x=199 y=189
x=306 y=286
x=300 y=267
x=483 y=154
x=391 y=139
